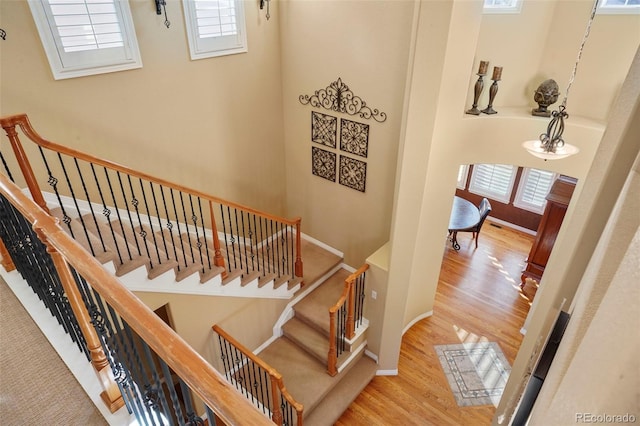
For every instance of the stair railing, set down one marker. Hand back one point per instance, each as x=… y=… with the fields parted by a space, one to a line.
x=258 y=381
x=345 y=316
x=168 y=221
x=140 y=361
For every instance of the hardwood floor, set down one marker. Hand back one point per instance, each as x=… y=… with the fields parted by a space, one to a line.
x=478 y=298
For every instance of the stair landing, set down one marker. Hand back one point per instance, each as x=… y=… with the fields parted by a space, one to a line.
x=307 y=380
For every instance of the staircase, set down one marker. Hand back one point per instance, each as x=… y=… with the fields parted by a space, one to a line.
x=300 y=355
x=159 y=236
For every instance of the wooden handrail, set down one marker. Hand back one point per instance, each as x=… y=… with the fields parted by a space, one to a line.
x=228 y=404
x=276 y=377
x=23 y=122
x=348 y=296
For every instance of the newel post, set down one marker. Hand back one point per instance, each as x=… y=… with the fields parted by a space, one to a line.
x=332 y=357
x=6 y=261
x=111 y=395
x=276 y=413
x=218 y=260
x=351 y=302
x=25 y=167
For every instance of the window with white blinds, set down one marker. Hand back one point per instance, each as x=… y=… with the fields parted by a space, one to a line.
x=493 y=181
x=502 y=6
x=86 y=37
x=215 y=27
x=533 y=188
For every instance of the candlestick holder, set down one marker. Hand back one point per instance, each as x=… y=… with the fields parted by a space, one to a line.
x=477 y=90
x=493 y=90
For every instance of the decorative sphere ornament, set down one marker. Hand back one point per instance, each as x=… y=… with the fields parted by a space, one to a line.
x=546 y=94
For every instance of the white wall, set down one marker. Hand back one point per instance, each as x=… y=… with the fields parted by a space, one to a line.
x=366 y=44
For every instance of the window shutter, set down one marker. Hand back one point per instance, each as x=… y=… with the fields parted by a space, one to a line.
x=533 y=189
x=86 y=24
x=215 y=27
x=494 y=181
x=85 y=37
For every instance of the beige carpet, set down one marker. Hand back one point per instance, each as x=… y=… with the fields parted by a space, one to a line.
x=36 y=387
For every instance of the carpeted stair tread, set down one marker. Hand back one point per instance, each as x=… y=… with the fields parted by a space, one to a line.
x=323 y=261
x=86 y=239
x=343 y=394
x=311 y=340
x=305 y=378
x=158 y=263
x=314 y=308
x=128 y=257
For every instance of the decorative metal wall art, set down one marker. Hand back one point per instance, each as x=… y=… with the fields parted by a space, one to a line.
x=354 y=137
x=493 y=90
x=338 y=97
x=323 y=163
x=323 y=129
x=477 y=90
x=353 y=173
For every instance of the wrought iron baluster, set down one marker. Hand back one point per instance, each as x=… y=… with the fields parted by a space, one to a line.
x=6 y=167
x=169 y=227
x=259 y=385
x=186 y=225
x=126 y=207
x=224 y=232
x=93 y=215
x=135 y=202
x=155 y=204
x=143 y=232
x=192 y=418
x=53 y=182
x=274 y=255
x=204 y=235
x=235 y=214
x=232 y=240
x=269 y=398
x=117 y=210
x=237 y=366
x=224 y=356
x=199 y=243
x=255 y=263
x=104 y=209
x=244 y=242
x=75 y=202
x=176 y=215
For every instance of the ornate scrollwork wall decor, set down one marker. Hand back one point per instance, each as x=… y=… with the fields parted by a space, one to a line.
x=354 y=137
x=323 y=163
x=323 y=129
x=338 y=97
x=353 y=173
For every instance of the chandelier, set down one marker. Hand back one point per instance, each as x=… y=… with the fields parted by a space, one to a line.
x=551 y=145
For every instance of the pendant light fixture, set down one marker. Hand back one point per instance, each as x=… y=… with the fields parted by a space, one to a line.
x=551 y=145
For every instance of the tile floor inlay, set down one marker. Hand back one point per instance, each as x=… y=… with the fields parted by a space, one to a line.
x=476 y=372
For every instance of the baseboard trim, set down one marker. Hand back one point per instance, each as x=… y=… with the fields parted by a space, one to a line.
x=321 y=244
x=416 y=319
x=511 y=225
x=371 y=355
x=387 y=372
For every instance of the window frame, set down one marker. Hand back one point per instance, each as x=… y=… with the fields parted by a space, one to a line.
x=87 y=62
x=625 y=9
x=211 y=47
x=515 y=8
x=463 y=174
x=524 y=178
x=502 y=198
